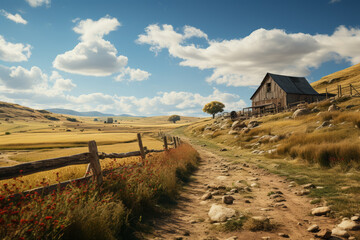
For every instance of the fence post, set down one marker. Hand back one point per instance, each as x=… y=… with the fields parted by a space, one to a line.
x=165 y=143
x=338 y=91
x=174 y=140
x=350 y=89
x=142 y=152
x=94 y=162
x=326 y=93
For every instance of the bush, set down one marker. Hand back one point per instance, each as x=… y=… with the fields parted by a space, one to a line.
x=51 y=118
x=71 y=119
x=7 y=133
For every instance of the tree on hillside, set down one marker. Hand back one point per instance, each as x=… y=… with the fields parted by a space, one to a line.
x=213 y=108
x=174 y=118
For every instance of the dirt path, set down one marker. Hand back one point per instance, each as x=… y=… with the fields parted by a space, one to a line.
x=190 y=220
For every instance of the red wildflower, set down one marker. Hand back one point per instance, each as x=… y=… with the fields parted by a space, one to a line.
x=48 y=217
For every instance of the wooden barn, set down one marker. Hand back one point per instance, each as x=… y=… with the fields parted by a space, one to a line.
x=278 y=92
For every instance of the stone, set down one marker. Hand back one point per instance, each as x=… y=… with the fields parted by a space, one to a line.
x=348 y=224
x=302 y=192
x=253 y=124
x=355 y=218
x=238 y=125
x=223 y=149
x=320 y=211
x=313 y=228
x=228 y=199
x=186 y=233
x=218 y=213
x=265 y=138
x=333 y=108
x=274 y=138
x=340 y=232
x=350 y=106
x=233 y=132
x=324 y=234
x=284 y=235
x=232 y=238
x=254 y=185
x=206 y=196
x=300 y=112
x=234 y=190
x=265 y=238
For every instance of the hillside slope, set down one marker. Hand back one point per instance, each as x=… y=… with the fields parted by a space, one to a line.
x=11 y=110
x=344 y=77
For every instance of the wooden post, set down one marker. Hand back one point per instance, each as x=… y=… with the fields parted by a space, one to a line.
x=141 y=146
x=174 y=140
x=178 y=141
x=94 y=162
x=350 y=89
x=165 y=143
x=338 y=91
x=326 y=93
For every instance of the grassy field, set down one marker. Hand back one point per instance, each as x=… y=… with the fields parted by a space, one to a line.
x=26 y=139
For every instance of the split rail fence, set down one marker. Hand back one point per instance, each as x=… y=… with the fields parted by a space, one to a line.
x=92 y=158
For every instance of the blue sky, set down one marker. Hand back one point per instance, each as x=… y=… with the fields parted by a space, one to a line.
x=166 y=57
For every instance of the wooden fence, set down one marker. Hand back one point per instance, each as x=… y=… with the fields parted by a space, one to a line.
x=92 y=158
x=343 y=90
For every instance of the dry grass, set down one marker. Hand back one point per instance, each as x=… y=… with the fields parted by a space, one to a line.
x=128 y=195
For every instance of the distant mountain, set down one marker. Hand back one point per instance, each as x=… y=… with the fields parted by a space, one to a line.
x=85 y=114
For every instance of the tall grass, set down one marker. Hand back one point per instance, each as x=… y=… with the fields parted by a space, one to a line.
x=129 y=194
x=325 y=148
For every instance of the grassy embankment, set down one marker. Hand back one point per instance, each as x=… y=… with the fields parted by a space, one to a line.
x=128 y=196
x=328 y=157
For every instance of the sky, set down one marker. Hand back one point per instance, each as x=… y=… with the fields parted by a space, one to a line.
x=150 y=58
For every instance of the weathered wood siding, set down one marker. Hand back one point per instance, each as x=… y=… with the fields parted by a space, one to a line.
x=276 y=95
x=294 y=98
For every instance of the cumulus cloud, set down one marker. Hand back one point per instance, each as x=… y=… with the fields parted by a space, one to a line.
x=94 y=56
x=15 y=18
x=32 y=81
x=244 y=61
x=47 y=92
x=130 y=74
x=38 y=3
x=14 y=52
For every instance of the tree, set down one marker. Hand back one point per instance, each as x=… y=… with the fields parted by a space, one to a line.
x=174 y=118
x=213 y=108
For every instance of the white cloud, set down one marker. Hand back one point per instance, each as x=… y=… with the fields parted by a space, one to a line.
x=244 y=61
x=334 y=1
x=130 y=74
x=15 y=18
x=94 y=56
x=33 y=81
x=14 y=52
x=35 y=89
x=38 y=3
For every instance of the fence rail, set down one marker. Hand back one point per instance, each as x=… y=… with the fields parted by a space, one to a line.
x=91 y=158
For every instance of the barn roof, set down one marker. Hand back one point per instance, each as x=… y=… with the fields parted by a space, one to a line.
x=295 y=85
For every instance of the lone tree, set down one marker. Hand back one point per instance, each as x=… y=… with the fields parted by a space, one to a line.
x=174 y=118
x=213 y=108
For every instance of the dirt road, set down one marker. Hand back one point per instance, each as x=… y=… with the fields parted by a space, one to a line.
x=190 y=220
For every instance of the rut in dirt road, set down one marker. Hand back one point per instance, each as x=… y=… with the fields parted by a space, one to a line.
x=256 y=194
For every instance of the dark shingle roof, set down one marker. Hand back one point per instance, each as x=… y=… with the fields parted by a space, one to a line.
x=295 y=85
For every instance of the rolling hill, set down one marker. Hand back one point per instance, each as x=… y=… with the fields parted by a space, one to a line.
x=84 y=114
x=343 y=77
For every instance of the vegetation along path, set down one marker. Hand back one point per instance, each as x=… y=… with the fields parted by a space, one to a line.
x=266 y=207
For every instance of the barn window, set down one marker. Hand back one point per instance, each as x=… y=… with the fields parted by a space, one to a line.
x=268 y=87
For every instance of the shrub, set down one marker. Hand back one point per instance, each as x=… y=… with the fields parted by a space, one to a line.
x=7 y=133
x=71 y=119
x=51 y=118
